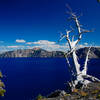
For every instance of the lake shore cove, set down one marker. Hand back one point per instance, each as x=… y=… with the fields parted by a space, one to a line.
x=91 y=92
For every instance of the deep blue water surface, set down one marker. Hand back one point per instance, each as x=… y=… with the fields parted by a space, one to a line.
x=25 y=78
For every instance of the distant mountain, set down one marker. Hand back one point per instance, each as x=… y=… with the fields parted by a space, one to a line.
x=35 y=52
x=38 y=52
x=94 y=52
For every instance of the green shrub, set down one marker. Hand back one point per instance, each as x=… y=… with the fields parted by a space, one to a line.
x=39 y=97
x=2 y=90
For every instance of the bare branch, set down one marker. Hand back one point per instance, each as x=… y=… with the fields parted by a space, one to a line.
x=69 y=52
x=91 y=77
x=62 y=36
x=69 y=8
x=67 y=37
x=73 y=38
x=85 y=31
x=78 y=26
x=84 y=71
x=70 y=68
x=72 y=29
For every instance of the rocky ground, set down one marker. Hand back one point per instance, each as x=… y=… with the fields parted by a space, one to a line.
x=91 y=92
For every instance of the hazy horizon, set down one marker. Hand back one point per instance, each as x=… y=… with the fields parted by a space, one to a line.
x=25 y=24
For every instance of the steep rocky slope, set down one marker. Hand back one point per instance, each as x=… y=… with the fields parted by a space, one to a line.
x=38 y=52
x=91 y=92
x=35 y=52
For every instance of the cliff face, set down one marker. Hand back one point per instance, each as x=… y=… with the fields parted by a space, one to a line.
x=37 y=52
x=94 y=52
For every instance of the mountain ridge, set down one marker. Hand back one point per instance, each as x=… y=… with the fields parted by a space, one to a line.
x=35 y=52
x=38 y=52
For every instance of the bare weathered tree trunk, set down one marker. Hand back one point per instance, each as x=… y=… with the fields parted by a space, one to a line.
x=80 y=76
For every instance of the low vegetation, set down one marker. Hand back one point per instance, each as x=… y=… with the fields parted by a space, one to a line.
x=2 y=86
x=91 y=92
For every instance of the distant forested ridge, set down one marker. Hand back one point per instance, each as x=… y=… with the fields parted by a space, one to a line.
x=38 y=52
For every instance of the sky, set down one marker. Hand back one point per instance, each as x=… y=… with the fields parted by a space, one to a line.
x=37 y=23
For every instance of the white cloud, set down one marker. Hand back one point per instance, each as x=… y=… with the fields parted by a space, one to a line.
x=12 y=46
x=15 y=46
x=80 y=46
x=30 y=43
x=48 y=45
x=85 y=43
x=44 y=42
x=20 y=41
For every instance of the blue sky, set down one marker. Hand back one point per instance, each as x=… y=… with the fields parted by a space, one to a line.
x=25 y=23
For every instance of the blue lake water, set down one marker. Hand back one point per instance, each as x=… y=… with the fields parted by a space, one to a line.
x=25 y=78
